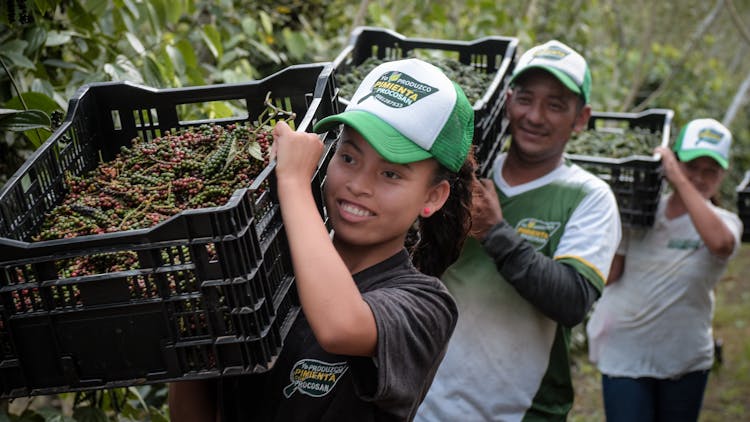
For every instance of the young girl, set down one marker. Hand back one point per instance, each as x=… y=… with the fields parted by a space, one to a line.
x=650 y=334
x=373 y=328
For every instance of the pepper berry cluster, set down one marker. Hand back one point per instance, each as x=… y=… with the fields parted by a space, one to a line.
x=152 y=180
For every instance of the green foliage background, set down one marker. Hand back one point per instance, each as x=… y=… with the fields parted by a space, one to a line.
x=643 y=54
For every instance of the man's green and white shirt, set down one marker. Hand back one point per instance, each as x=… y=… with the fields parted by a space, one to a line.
x=506 y=360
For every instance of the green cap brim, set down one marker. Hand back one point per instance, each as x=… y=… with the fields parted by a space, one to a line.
x=561 y=76
x=695 y=153
x=387 y=141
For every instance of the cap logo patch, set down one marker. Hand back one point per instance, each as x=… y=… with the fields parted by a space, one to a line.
x=551 y=53
x=398 y=90
x=710 y=136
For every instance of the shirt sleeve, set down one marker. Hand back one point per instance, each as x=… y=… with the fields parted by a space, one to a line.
x=556 y=289
x=735 y=225
x=414 y=322
x=592 y=235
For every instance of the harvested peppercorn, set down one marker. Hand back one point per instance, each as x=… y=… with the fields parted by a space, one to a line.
x=150 y=181
x=473 y=82
x=614 y=144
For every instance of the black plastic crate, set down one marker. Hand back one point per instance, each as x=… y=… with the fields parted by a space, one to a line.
x=743 y=205
x=637 y=181
x=494 y=55
x=212 y=291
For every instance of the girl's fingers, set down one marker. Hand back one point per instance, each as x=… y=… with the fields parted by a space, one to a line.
x=280 y=129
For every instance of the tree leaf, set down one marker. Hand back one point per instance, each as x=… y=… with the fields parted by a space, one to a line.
x=177 y=62
x=132 y=8
x=36 y=37
x=34 y=101
x=188 y=53
x=212 y=39
x=65 y=65
x=57 y=38
x=158 y=9
x=173 y=10
x=254 y=150
x=16 y=46
x=249 y=26
x=23 y=120
x=266 y=50
x=266 y=22
x=135 y=43
x=295 y=43
x=152 y=72
x=17 y=59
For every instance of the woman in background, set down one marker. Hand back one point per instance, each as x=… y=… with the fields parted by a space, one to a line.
x=650 y=334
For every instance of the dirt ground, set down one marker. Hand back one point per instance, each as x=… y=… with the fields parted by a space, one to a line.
x=728 y=393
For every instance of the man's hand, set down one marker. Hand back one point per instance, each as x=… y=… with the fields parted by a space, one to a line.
x=485 y=208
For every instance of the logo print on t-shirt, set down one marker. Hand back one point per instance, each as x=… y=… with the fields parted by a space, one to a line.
x=684 y=244
x=536 y=232
x=314 y=378
x=398 y=90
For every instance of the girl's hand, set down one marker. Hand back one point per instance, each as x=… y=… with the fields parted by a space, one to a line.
x=297 y=153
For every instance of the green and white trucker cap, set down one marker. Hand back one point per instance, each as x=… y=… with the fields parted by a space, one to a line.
x=704 y=138
x=408 y=110
x=560 y=60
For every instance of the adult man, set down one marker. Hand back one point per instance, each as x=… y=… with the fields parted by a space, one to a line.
x=544 y=237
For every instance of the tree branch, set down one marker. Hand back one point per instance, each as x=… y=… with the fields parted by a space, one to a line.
x=741 y=27
x=639 y=75
x=361 y=13
x=739 y=99
x=689 y=48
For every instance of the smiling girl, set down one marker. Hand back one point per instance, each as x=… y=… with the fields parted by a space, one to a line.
x=375 y=321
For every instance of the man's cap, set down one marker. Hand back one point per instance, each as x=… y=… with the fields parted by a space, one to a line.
x=408 y=111
x=563 y=62
x=704 y=138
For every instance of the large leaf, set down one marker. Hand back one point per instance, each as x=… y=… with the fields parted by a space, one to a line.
x=266 y=50
x=17 y=59
x=57 y=38
x=266 y=22
x=22 y=120
x=295 y=43
x=173 y=10
x=33 y=100
x=135 y=43
x=132 y=8
x=212 y=38
x=177 y=62
x=16 y=46
x=35 y=36
x=34 y=124
x=123 y=70
x=154 y=18
x=65 y=65
x=249 y=26
x=152 y=72
x=188 y=53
